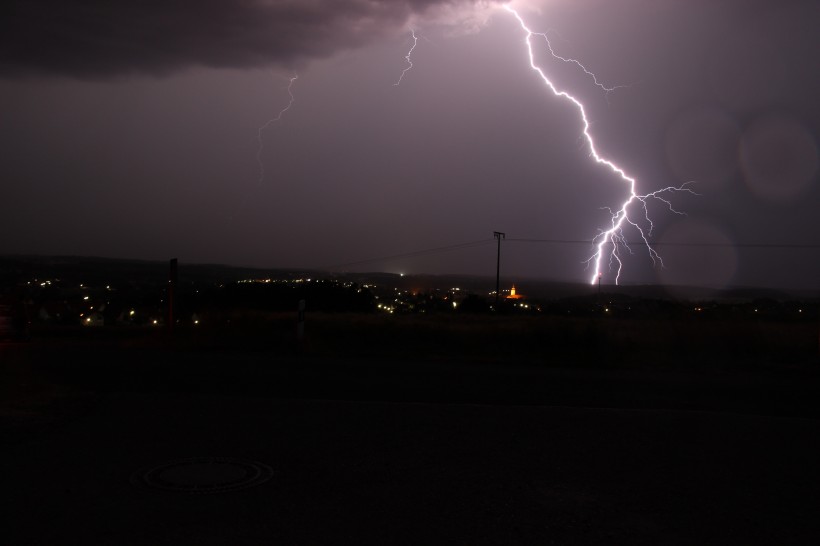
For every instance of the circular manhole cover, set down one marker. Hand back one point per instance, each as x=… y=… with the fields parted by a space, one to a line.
x=204 y=475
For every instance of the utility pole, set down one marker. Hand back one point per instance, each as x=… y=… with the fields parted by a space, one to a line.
x=498 y=235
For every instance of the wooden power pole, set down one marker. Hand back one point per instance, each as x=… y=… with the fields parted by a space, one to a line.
x=498 y=235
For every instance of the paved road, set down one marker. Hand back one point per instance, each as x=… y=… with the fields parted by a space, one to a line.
x=371 y=471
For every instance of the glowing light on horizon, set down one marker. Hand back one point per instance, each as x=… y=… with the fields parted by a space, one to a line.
x=613 y=236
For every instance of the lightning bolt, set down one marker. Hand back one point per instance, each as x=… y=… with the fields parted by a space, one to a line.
x=577 y=63
x=268 y=123
x=621 y=218
x=407 y=57
x=261 y=145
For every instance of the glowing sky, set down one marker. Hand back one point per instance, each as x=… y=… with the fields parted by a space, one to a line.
x=132 y=132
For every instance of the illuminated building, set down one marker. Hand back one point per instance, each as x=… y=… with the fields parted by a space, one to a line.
x=513 y=295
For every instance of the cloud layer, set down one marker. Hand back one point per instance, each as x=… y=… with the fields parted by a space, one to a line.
x=101 y=38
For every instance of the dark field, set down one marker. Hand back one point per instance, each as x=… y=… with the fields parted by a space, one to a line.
x=419 y=430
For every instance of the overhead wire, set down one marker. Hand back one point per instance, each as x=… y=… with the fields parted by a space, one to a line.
x=414 y=254
x=484 y=242
x=671 y=243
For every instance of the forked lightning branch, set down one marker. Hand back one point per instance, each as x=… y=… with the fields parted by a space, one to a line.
x=632 y=213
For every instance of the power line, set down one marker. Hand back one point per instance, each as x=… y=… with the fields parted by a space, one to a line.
x=416 y=253
x=498 y=235
x=483 y=242
x=661 y=243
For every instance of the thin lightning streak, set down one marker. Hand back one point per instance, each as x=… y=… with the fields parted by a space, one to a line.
x=577 y=63
x=261 y=144
x=407 y=57
x=614 y=235
x=267 y=123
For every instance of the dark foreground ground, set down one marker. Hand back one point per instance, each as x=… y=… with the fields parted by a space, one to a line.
x=425 y=450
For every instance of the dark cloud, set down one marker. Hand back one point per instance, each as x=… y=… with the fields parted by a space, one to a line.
x=104 y=38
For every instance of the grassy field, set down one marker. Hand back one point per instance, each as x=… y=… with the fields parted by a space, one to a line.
x=548 y=340
x=508 y=359
x=596 y=342
x=559 y=341
x=442 y=357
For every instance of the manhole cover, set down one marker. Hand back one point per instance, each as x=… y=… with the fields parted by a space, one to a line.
x=204 y=475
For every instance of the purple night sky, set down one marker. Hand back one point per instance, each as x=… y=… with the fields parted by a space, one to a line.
x=129 y=130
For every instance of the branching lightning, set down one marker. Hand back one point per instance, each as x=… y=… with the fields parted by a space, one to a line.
x=268 y=123
x=576 y=62
x=607 y=242
x=407 y=57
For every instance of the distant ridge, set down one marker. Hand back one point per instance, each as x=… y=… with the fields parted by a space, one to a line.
x=98 y=269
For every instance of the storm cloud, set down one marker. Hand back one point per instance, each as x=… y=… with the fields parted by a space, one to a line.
x=150 y=129
x=100 y=38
